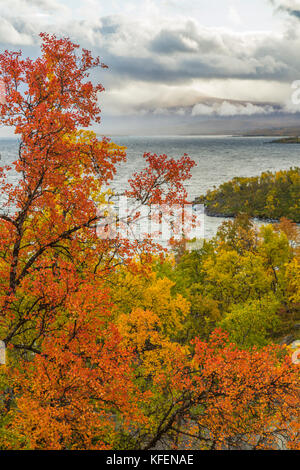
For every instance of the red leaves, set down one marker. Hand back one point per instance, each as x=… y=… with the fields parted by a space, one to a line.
x=162 y=181
x=75 y=390
x=250 y=397
x=57 y=95
x=79 y=384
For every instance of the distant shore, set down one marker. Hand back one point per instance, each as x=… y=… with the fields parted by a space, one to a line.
x=286 y=140
x=210 y=213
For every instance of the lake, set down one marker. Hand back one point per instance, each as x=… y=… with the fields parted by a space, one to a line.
x=218 y=158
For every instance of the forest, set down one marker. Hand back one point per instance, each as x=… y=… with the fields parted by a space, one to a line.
x=268 y=196
x=114 y=343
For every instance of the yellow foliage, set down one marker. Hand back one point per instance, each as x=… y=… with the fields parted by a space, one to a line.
x=293 y=281
x=151 y=293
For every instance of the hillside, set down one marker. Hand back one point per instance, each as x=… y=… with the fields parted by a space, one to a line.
x=268 y=196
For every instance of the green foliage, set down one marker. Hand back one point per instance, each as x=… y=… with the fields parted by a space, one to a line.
x=253 y=323
x=270 y=195
x=244 y=281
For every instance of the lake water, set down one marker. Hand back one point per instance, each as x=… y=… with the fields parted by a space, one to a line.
x=218 y=159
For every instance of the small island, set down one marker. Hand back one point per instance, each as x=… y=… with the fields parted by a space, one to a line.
x=268 y=196
x=286 y=140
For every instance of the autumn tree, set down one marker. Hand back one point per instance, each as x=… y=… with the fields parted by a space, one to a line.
x=98 y=338
x=55 y=306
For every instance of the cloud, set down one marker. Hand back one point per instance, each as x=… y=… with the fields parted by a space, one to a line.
x=249 y=109
x=165 y=67
x=31 y=8
x=295 y=13
x=227 y=108
x=13 y=35
x=186 y=38
x=168 y=42
x=168 y=52
x=48 y=5
x=21 y=21
x=190 y=51
x=291 y=7
x=170 y=111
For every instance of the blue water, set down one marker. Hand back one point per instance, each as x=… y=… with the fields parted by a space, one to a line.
x=218 y=159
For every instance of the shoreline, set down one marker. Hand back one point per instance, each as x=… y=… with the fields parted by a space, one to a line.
x=232 y=216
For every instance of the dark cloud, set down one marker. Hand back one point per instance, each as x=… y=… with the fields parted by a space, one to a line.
x=187 y=39
x=109 y=25
x=295 y=13
x=193 y=52
x=287 y=6
x=153 y=67
x=169 y=42
x=266 y=63
x=174 y=56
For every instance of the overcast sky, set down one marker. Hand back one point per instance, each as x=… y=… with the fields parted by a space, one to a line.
x=175 y=65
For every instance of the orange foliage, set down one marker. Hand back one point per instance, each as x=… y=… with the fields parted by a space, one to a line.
x=77 y=377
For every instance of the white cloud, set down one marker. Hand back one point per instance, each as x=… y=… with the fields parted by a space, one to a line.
x=169 y=111
x=180 y=112
x=292 y=4
x=9 y=34
x=201 y=109
x=32 y=8
x=248 y=109
x=48 y=5
x=227 y=108
x=156 y=63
